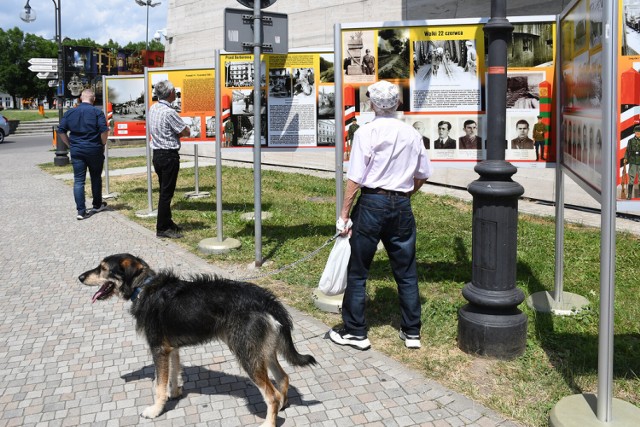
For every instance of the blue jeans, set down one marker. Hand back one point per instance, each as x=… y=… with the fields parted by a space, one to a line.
x=80 y=163
x=379 y=217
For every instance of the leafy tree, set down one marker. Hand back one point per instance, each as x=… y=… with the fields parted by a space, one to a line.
x=16 y=48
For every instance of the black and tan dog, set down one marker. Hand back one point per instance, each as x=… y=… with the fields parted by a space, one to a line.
x=173 y=313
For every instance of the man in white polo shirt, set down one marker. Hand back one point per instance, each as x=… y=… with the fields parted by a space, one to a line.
x=388 y=164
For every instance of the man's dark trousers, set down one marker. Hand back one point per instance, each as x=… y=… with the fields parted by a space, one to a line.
x=167 y=165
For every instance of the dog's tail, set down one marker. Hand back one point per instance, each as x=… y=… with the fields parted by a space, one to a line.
x=288 y=350
x=285 y=344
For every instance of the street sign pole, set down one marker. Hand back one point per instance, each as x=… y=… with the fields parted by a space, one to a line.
x=62 y=157
x=257 y=130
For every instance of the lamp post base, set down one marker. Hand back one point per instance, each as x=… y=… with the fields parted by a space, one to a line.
x=484 y=332
x=61 y=159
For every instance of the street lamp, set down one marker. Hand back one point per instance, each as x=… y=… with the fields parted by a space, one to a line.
x=491 y=324
x=29 y=15
x=147 y=4
x=157 y=36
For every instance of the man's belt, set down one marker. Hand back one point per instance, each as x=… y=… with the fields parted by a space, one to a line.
x=367 y=190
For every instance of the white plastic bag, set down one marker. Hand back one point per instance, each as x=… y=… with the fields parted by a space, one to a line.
x=334 y=277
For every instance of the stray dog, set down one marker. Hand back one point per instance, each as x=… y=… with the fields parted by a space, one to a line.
x=173 y=313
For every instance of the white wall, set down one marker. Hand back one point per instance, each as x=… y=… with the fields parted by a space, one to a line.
x=197 y=26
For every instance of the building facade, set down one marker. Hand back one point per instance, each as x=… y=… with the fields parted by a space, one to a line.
x=195 y=28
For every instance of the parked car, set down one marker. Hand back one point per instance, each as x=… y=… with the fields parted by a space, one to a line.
x=4 y=128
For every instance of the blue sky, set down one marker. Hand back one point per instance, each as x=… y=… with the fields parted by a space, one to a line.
x=120 y=20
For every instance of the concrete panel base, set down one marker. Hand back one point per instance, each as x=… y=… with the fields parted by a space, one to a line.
x=569 y=304
x=331 y=304
x=213 y=246
x=579 y=410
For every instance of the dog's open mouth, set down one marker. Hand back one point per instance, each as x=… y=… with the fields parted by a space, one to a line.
x=104 y=291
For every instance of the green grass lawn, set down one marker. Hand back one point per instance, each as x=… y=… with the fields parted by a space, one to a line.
x=29 y=115
x=561 y=354
x=114 y=163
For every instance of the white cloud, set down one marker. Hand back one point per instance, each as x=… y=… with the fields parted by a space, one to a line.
x=120 y=20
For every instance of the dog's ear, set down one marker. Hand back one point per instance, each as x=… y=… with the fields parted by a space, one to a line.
x=131 y=267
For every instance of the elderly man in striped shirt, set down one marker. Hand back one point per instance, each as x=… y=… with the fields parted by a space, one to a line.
x=166 y=127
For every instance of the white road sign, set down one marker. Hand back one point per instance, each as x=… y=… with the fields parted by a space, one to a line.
x=47 y=75
x=43 y=61
x=52 y=83
x=44 y=67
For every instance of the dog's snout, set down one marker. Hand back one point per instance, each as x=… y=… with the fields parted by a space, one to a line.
x=82 y=277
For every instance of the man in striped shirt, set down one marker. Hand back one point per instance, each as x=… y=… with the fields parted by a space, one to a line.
x=166 y=127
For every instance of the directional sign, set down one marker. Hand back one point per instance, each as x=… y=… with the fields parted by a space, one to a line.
x=52 y=83
x=43 y=61
x=44 y=67
x=47 y=75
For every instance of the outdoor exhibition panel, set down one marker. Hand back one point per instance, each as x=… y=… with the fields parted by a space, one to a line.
x=297 y=99
x=124 y=105
x=195 y=98
x=440 y=68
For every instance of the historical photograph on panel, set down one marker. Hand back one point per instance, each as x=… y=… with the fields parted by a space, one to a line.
x=631 y=30
x=580 y=36
x=523 y=90
x=303 y=82
x=393 y=55
x=356 y=46
x=240 y=74
x=432 y=61
x=326 y=101
x=326 y=132
x=127 y=99
x=245 y=130
x=531 y=45
x=279 y=83
x=242 y=102
x=595 y=23
x=595 y=80
x=326 y=67
x=444 y=62
x=423 y=125
x=194 y=126
x=210 y=122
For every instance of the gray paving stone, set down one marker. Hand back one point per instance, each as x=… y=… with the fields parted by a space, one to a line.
x=69 y=362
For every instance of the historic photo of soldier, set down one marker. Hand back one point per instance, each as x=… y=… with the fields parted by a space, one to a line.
x=523 y=90
x=354 y=49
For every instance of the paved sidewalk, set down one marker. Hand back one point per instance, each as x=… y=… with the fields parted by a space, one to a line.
x=68 y=362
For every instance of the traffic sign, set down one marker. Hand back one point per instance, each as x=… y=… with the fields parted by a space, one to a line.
x=43 y=61
x=263 y=3
x=44 y=67
x=52 y=83
x=47 y=75
x=238 y=30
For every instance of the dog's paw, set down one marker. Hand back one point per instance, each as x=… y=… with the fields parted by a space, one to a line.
x=151 y=411
x=176 y=393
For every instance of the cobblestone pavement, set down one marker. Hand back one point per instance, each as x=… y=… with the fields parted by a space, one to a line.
x=66 y=361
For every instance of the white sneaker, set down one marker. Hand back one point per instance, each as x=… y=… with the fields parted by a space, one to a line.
x=341 y=337
x=410 y=341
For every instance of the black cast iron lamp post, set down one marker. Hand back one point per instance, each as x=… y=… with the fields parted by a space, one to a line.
x=491 y=323
x=29 y=15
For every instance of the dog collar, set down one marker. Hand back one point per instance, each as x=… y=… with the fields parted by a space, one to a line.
x=136 y=291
